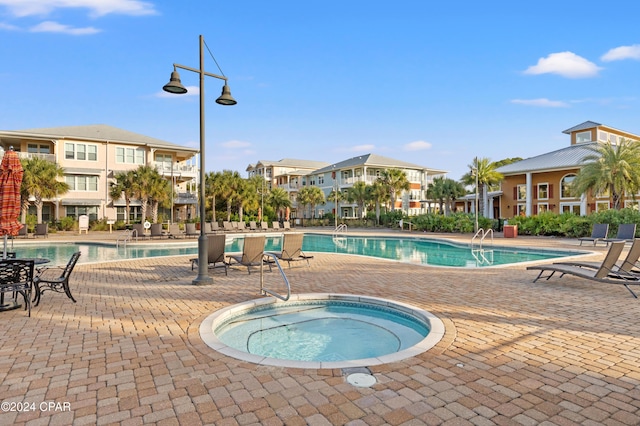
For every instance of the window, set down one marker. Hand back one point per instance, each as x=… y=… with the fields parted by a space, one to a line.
x=570 y=208
x=521 y=210
x=602 y=206
x=77 y=211
x=129 y=155
x=321 y=180
x=583 y=137
x=565 y=187
x=80 y=151
x=603 y=136
x=34 y=148
x=82 y=183
x=543 y=207
x=521 y=192
x=543 y=191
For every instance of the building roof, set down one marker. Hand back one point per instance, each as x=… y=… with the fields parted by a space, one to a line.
x=290 y=162
x=583 y=126
x=375 y=160
x=565 y=158
x=94 y=132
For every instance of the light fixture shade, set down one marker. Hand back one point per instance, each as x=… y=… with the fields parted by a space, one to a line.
x=174 y=85
x=226 y=98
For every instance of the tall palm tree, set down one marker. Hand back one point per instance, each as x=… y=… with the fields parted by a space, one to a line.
x=213 y=189
x=436 y=192
x=279 y=199
x=378 y=194
x=311 y=196
x=159 y=194
x=486 y=176
x=337 y=197
x=358 y=194
x=613 y=168
x=123 y=188
x=229 y=184
x=144 y=176
x=395 y=180
x=40 y=180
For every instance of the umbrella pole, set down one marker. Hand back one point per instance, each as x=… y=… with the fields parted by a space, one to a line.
x=4 y=251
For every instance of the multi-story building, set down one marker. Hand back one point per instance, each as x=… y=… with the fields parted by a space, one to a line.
x=543 y=183
x=296 y=174
x=92 y=155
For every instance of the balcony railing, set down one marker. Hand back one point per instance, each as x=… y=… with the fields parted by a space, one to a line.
x=178 y=169
x=29 y=155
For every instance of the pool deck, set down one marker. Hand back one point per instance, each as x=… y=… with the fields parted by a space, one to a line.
x=559 y=352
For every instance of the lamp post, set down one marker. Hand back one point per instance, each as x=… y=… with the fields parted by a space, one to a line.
x=475 y=173
x=175 y=86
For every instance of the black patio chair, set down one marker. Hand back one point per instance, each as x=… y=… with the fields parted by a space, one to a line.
x=16 y=276
x=60 y=284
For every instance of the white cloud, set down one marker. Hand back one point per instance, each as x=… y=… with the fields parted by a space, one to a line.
x=8 y=27
x=22 y=8
x=54 y=27
x=236 y=144
x=566 y=64
x=417 y=146
x=622 y=52
x=541 y=102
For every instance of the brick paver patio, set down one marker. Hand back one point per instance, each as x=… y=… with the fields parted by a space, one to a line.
x=514 y=353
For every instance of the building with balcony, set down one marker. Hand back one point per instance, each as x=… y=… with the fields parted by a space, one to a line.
x=543 y=183
x=92 y=155
x=293 y=175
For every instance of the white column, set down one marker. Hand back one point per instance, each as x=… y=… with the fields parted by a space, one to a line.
x=529 y=204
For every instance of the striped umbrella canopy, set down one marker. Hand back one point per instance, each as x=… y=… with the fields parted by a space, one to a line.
x=10 y=181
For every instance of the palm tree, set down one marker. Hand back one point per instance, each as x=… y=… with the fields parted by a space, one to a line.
x=436 y=192
x=123 y=187
x=486 y=176
x=395 y=180
x=229 y=184
x=159 y=194
x=612 y=168
x=378 y=194
x=358 y=194
x=40 y=180
x=452 y=191
x=311 y=195
x=278 y=199
x=337 y=197
x=213 y=188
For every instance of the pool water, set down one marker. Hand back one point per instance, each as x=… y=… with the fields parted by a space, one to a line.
x=409 y=250
x=329 y=331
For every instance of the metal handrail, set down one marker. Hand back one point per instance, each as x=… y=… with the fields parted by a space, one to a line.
x=284 y=277
x=340 y=228
x=482 y=233
x=127 y=234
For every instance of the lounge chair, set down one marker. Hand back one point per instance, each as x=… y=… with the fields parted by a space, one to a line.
x=252 y=253
x=292 y=249
x=253 y=226
x=264 y=226
x=216 y=257
x=58 y=283
x=627 y=266
x=214 y=228
x=228 y=226
x=607 y=272
x=241 y=226
x=138 y=231
x=23 y=232
x=42 y=230
x=156 y=231
x=175 y=231
x=598 y=233
x=626 y=233
x=276 y=225
x=190 y=230
x=286 y=225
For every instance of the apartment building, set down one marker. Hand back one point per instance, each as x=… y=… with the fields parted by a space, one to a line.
x=543 y=183
x=293 y=175
x=91 y=156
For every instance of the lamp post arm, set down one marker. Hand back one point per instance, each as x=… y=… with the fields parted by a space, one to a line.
x=184 y=67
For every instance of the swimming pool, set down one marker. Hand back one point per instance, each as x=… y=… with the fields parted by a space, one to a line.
x=423 y=251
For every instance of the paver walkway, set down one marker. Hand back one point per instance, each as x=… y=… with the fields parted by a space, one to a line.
x=515 y=353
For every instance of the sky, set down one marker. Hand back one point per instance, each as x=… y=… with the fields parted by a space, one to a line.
x=434 y=83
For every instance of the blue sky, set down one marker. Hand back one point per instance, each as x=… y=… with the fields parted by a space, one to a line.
x=432 y=83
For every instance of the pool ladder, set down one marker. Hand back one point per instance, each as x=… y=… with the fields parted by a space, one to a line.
x=482 y=234
x=126 y=237
x=265 y=291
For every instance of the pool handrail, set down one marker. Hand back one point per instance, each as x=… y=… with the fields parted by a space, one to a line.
x=284 y=277
x=482 y=234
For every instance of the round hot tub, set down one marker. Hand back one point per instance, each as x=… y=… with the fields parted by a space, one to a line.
x=321 y=331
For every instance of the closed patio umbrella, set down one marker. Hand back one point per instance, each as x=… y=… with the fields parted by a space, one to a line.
x=10 y=181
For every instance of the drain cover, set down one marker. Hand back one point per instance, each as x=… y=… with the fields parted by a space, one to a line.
x=361 y=380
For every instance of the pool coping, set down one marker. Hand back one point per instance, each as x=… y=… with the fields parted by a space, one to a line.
x=435 y=324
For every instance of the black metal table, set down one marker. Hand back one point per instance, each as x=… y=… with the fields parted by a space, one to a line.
x=8 y=306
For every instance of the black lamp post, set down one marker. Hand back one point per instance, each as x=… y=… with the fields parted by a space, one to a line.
x=175 y=86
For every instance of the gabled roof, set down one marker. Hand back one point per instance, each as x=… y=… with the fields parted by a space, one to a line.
x=375 y=160
x=583 y=126
x=95 y=132
x=570 y=157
